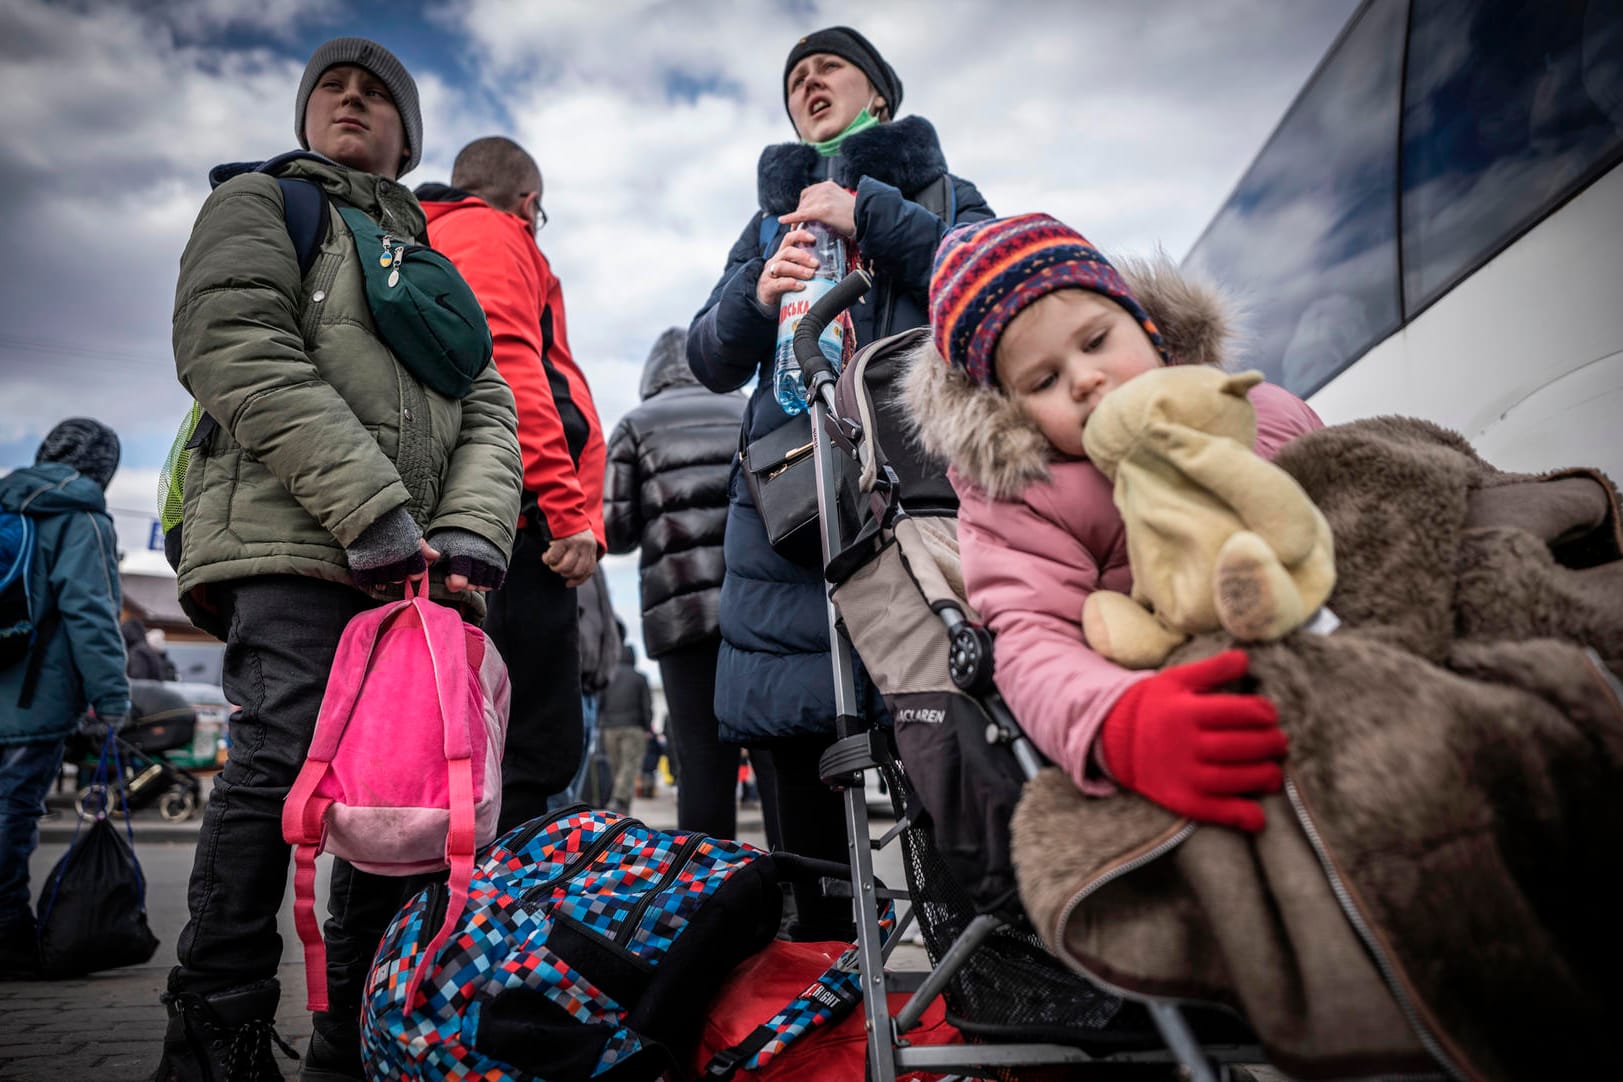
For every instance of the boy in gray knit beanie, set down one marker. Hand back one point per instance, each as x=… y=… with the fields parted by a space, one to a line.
x=331 y=474
x=374 y=58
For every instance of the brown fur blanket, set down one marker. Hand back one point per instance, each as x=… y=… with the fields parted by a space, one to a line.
x=1428 y=890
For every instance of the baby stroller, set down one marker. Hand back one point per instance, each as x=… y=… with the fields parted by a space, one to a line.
x=954 y=764
x=160 y=720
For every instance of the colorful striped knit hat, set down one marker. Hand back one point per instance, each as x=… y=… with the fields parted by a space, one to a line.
x=987 y=272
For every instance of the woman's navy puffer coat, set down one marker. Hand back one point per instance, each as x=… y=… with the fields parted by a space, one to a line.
x=774 y=678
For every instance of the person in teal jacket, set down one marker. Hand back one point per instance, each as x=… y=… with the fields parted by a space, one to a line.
x=73 y=585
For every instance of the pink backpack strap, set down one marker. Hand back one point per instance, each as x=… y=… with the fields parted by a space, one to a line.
x=304 y=814
x=450 y=668
x=354 y=656
x=459 y=846
x=311 y=830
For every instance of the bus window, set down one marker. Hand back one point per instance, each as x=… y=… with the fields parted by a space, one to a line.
x=1511 y=106
x=1309 y=238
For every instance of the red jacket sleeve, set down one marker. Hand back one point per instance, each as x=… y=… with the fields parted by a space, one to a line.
x=501 y=263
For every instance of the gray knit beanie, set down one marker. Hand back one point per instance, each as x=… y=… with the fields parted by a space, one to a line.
x=88 y=446
x=380 y=62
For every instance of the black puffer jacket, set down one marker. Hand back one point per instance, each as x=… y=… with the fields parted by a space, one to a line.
x=667 y=491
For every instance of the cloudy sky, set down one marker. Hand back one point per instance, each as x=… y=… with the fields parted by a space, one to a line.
x=1130 y=119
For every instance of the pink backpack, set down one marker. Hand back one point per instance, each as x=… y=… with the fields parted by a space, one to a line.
x=404 y=772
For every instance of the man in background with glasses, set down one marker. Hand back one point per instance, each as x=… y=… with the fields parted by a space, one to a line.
x=486 y=222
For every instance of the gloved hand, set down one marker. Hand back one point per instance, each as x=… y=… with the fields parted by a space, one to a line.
x=471 y=556
x=1194 y=750
x=387 y=551
x=97 y=727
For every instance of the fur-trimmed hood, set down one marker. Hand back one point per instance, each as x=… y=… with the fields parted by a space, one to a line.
x=979 y=430
x=904 y=153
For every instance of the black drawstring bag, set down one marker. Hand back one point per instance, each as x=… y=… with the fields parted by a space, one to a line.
x=93 y=913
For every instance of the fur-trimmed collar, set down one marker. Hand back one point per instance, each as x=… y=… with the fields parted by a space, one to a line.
x=981 y=432
x=904 y=154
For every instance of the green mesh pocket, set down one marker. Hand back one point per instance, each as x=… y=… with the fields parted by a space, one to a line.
x=172 y=477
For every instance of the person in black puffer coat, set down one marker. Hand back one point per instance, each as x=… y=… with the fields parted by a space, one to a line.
x=884 y=185
x=667 y=492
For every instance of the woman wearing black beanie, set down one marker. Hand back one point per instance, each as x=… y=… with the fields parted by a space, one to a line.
x=882 y=183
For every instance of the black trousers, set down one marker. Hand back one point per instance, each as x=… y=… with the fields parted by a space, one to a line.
x=810 y=820
x=533 y=622
x=283 y=634
x=707 y=790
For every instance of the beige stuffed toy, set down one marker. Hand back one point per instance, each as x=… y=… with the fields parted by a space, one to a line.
x=1217 y=536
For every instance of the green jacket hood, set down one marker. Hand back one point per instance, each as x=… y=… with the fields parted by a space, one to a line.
x=50 y=488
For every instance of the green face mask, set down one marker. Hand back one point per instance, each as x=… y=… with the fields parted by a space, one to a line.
x=830 y=147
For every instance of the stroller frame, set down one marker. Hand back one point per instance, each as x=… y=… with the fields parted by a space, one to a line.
x=857 y=748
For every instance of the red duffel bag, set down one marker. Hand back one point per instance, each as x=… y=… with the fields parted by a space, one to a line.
x=837 y=1051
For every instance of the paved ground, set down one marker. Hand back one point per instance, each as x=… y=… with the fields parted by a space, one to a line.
x=109 y=1027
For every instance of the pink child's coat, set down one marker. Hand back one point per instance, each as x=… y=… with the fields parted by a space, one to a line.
x=1030 y=563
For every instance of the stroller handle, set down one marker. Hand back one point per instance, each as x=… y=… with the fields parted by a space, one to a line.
x=814 y=367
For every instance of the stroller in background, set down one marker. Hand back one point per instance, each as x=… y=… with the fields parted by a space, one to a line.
x=161 y=719
x=954 y=765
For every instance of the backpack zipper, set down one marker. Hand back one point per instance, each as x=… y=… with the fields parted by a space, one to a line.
x=586 y=856
x=678 y=862
x=439 y=898
x=536 y=828
x=540 y=824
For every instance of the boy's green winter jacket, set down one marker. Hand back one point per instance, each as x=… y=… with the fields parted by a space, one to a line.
x=322 y=430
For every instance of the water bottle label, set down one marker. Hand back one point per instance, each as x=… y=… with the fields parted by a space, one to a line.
x=795 y=305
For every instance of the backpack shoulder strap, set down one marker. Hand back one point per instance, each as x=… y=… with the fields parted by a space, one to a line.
x=46 y=628
x=36 y=658
x=769 y=230
x=304 y=209
x=940 y=197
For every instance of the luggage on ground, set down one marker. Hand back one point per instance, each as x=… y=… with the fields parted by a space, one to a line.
x=751 y=1005
x=590 y=947
x=92 y=911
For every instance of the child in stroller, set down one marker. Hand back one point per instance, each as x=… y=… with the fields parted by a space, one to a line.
x=1387 y=786
x=160 y=720
x=1027 y=347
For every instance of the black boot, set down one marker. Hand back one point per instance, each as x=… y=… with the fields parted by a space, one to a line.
x=222 y=1036
x=19 y=950
x=334 y=1054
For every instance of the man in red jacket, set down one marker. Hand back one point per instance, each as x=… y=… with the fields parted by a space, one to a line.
x=486 y=222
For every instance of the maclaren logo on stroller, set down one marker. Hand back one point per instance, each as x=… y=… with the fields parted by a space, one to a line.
x=922 y=715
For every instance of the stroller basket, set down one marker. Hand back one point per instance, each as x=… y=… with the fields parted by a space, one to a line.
x=1011 y=988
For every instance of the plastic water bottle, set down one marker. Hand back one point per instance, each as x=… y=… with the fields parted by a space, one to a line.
x=829 y=249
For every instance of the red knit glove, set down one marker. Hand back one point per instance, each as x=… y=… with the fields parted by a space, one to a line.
x=1177 y=740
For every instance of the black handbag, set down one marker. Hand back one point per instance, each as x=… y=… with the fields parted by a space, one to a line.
x=782 y=479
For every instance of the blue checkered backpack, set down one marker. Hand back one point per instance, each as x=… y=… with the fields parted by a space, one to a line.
x=590 y=948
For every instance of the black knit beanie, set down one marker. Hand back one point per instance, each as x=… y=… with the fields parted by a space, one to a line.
x=847 y=44
x=390 y=72
x=88 y=446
